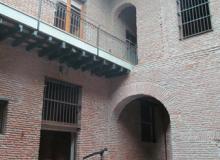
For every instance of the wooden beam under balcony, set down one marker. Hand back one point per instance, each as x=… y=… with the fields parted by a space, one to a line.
x=7 y=30
x=105 y=68
x=39 y=43
x=82 y=61
x=51 y=46
x=116 y=73
x=68 y=57
x=95 y=62
x=60 y=49
x=24 y=37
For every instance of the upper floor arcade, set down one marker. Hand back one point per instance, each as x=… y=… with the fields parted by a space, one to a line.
x=62 y=30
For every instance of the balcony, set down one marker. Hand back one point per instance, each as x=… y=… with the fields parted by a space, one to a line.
x=63 y=34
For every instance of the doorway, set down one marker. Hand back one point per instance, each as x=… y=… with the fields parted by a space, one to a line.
x=55 y=145
x=144 y=128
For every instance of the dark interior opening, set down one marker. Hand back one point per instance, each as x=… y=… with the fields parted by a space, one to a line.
x=146 y=119
x=128 y=16
x=3 y=106
x=55 y=145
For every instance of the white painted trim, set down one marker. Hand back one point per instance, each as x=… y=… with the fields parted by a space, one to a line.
x=18 y=16
x=115 y=60
x=74 y=3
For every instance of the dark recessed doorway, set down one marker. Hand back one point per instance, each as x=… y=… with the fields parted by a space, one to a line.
x=55 y=145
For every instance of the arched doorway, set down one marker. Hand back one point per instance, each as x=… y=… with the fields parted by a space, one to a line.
x=127 y=16
x=144 y=130
x=126 y=28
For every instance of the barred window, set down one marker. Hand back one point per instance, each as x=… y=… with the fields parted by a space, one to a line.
x=61 y=17
x=62 y=101
x=194 y=17
x=3 y=105
x=147 y=122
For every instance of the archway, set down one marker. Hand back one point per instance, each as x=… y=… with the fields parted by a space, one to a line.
x=128 y=17
x=125 y=28
x=144 y=129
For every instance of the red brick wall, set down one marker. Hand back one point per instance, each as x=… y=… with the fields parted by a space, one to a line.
x=183 y=75
x=22 y=81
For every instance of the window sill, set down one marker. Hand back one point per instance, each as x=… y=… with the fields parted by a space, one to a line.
x=196 y=35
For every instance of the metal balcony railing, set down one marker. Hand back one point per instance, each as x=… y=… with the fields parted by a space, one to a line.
x=70 y=20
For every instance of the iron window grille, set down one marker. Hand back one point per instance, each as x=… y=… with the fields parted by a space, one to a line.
x=3 y=105
x=61 y=15
x=62 y=102
x=194 y=17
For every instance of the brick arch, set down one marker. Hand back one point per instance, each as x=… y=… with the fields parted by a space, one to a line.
x=128 y=93
x=121 y=6
x=116 y=10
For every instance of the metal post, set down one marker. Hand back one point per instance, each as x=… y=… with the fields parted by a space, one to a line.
x=72 y=153
x=98 y=38
x=39 y=14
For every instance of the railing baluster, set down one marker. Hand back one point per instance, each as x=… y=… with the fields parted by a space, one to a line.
x=39 y=14
x=98 y=39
